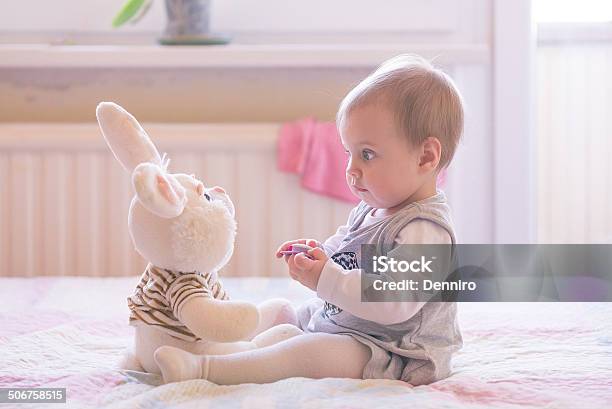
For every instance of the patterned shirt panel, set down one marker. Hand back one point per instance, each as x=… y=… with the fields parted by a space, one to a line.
x=161 y=293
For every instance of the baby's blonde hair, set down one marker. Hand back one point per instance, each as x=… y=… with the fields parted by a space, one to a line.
x=424 y=101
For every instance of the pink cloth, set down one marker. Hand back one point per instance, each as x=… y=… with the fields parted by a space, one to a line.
x=313 y=150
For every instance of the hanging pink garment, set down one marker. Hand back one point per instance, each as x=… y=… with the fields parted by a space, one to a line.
x=313 y=150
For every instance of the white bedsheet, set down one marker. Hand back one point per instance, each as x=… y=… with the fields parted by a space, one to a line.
x=69 y=332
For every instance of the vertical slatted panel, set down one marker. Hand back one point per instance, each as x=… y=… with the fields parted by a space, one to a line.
x=25 y=214
x=544 y=127
x=557 y=98
x=275 y=206
x=5 y=217
x=118 y=196
x=577 y=128
x=82 y=222
x=285 y=217
x=251 y=210
x=598 y=180
x=607 y=151
x=184 y=162
x=18 y=221
x=574 y=146
x=54 y=183
x=99 y=224
x=90 y=208
x=268 y=167
x=316 y=216
x=70 y=228
x=64 y=209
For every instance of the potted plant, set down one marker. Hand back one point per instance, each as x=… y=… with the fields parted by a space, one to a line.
x=188 y=21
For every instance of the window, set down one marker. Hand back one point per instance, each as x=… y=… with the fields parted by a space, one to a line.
x=578 y=11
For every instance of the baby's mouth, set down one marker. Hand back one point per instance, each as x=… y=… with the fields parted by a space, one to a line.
x=357 y=188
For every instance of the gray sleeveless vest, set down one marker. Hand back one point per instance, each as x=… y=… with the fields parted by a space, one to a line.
x=418 y=350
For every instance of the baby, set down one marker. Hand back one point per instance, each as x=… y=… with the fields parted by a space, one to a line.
x=400 y=127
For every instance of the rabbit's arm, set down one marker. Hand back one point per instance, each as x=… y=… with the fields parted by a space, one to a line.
x=219 y=321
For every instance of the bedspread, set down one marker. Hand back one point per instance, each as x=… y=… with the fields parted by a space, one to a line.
x=70 y=332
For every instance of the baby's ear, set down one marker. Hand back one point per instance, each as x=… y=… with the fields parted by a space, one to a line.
x=125 y=137
x=159 y=192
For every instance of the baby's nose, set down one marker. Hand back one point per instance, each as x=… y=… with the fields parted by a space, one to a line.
x=353 y=173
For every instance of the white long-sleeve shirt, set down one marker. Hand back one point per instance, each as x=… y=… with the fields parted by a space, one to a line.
x=343 y=287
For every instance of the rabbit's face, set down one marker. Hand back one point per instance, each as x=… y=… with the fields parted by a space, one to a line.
x=201 y=238
x=175 y=222
x=198 y=195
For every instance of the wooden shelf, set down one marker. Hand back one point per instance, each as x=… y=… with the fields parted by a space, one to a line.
x=231 y=56
x=86 y=136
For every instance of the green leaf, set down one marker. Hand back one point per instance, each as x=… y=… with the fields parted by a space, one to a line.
x=143 y=10
x=128 y=11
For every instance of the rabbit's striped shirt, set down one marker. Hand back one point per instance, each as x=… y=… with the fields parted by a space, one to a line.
x=161 y=293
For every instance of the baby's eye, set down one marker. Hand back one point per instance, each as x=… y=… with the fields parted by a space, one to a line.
x=367 y=154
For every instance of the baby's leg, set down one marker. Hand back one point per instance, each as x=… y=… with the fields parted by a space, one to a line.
x=148 y=339
x=317 y=355
x=306 y=310
x=273 y=335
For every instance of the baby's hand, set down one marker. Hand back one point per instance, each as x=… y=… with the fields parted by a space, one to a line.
x=286 y=246
x=306 y=267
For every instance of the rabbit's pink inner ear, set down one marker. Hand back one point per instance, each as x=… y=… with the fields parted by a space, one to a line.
x=168 y=192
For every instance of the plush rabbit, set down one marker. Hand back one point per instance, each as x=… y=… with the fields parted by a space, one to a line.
x=186 y=231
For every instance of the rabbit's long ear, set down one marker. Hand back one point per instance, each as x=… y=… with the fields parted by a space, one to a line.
x=159 y=192
x=125 y=137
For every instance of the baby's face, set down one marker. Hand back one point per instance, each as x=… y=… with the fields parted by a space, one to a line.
x=383 y=168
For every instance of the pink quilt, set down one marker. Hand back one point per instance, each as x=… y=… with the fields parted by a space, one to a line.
x=70 y=332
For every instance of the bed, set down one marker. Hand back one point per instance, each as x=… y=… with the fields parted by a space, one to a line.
x=69 y=332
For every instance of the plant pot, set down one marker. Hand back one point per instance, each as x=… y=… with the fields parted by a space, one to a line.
x=189 y=24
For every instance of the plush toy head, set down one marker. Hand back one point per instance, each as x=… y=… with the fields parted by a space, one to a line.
x=175 y=222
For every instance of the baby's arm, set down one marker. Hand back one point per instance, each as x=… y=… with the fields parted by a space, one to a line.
x=343 y=287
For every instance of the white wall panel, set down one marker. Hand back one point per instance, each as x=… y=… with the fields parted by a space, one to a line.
x=266 y=15
x=64 y=199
